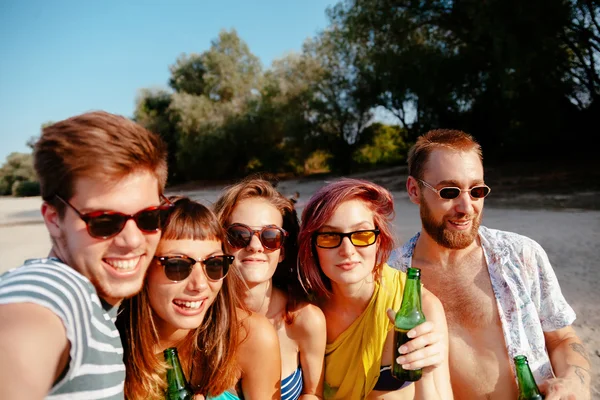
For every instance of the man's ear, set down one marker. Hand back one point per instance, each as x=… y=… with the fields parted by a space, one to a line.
x=413 y=189
x=51 y=219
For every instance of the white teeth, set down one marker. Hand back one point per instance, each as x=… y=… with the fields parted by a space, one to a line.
x=188 y=304
x=123 y=264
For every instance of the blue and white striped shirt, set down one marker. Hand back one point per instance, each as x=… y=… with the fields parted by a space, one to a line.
x=96 y=369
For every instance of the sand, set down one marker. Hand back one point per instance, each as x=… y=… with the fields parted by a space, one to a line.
x=568 y=231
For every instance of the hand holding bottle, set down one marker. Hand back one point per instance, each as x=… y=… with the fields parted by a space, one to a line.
x=424 y=350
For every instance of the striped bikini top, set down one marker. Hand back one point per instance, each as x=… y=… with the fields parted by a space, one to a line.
x=291 y=387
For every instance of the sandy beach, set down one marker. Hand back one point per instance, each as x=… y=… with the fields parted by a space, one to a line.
x=569 y=232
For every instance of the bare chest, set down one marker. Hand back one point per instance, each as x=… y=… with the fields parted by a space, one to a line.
x=479 y=362
x=468 y=298
x=479 y=365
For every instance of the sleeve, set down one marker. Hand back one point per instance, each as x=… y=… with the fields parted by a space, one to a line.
x=553 y=309
x=56 y=289
x=395 y=260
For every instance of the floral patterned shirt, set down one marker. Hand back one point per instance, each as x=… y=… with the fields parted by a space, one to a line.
x=527 y=292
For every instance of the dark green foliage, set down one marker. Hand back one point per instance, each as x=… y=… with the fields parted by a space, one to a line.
x=25 y=189
x=517 y=75
x=383 y=145
x=521 y=76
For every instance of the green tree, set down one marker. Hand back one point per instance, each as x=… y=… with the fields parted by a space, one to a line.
x=17 y=168
x=582 y=38
x=153 y=111
x=215 y=93
x=341 y=106
x=384 y=145
x=499 y=68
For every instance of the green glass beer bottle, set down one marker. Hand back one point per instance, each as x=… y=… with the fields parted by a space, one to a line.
x=528 y=390
x=409 y=316
x=177 y=386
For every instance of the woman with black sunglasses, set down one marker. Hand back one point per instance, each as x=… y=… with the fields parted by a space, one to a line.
x=262 y=230
x=190 y=301
x=345 y=241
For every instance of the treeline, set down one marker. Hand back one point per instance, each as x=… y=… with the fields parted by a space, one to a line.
x=226 y=117
x=521 y=76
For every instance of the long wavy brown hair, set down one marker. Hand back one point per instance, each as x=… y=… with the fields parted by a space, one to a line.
x=208 y=353
x=286 y=274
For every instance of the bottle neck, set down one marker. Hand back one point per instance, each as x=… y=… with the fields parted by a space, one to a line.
x=411 y=299
x=527 y=386
x=175 y=376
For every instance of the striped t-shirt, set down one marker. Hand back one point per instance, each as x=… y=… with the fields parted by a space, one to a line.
x=96 y=369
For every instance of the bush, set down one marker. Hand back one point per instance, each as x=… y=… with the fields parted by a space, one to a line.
x=385 y=146
x=25 y=188
x=317 y=162
x=5 y=188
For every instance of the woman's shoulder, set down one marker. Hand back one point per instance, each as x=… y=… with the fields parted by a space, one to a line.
x=307 y=317
x=258 y=339
x=255 y=327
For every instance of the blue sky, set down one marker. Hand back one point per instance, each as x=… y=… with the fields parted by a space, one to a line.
x=62 y=58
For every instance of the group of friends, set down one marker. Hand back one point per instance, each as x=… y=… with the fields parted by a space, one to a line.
x=262 y=304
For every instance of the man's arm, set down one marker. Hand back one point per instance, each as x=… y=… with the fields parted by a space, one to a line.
x=34 y=350
x=571 y=366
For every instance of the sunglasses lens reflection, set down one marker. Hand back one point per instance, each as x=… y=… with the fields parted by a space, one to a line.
x=106 y=225
x=449 y=193
x=149 y=220
x=329 y=240
x=177 y=269
x=271 y=238
x=239 y=237
x=217 y=267
x=365 y=238
x=480 y=192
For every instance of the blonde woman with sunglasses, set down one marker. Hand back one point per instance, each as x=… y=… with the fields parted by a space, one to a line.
x=262 y=230
x=344 y=244
x=190 y=301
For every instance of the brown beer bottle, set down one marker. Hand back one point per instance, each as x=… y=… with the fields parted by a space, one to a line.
x=409 y=316
x=528 y=390
x=177 y=386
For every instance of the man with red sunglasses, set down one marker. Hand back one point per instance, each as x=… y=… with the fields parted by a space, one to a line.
x=498 y=289
x=102 y=178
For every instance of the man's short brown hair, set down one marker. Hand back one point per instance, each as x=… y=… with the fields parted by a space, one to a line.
x=452 y=139
x=96 y=145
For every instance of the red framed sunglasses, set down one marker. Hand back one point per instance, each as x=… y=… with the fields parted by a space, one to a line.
x=106 y=224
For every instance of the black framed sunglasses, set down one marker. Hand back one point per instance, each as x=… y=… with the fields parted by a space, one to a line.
x=106 y=224
x=178 y=268
x=272 y=237
x=449 y=193
x=331 y=240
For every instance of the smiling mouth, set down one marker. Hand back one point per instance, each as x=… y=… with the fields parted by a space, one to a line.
x=190 y=305
x=460 y=223
x=123 y=265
